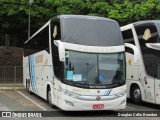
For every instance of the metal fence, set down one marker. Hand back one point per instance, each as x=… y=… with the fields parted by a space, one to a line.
x=11 y=74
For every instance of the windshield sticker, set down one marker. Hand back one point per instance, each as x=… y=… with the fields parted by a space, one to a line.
x=69 y=75
x=77 y=77
x=101 y=77
x=147 y=34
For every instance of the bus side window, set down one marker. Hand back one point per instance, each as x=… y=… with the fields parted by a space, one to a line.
x=147 y=33
x=43 y=40
x=55 y=32
x=38 y=43
x=128 y=38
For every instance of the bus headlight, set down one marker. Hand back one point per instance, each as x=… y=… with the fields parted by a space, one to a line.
x=69 y=93
x=120 y=94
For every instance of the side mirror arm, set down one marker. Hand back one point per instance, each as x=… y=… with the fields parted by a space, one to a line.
x=136 y=51
x=61 y=49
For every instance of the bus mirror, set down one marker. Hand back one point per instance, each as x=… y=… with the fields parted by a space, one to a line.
x=61 y=50
x=153 y=45
x=136 y=52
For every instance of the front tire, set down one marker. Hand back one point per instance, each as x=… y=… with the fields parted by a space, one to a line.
x=49 y=97
x=136 y=95
x=28 y=86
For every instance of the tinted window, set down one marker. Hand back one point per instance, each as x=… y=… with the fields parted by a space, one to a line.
x=91 y=32
x=38 y=43
x=95 y=69
x=56 y=35
x=147 y=33
x=128 y=38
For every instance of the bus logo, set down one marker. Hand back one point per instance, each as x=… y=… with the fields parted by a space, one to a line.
x=98 y=98
x=98 y=91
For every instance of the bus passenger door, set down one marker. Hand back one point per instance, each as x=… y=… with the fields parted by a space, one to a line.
x=157 y=83
x=148 y=89
x=157 y=90
x=147 y=79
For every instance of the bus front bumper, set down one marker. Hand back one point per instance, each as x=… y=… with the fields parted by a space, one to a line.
x=100 y=103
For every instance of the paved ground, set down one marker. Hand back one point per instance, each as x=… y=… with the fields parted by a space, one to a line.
x=20 y=100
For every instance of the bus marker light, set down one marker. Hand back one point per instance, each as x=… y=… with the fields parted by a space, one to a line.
x=69 y=103
x=122 y=102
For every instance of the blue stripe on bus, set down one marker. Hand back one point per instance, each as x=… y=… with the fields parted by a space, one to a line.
x=33 y=75
x=30 y=70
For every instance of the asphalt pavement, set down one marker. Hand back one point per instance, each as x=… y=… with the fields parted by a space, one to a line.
x=20 y=101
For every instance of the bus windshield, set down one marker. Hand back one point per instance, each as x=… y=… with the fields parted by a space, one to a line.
x=91 y=32
x=94 y=69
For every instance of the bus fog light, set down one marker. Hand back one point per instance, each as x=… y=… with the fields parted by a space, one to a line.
x=69 y=103
x=122 y=102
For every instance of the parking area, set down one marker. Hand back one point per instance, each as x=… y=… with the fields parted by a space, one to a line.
x=20 y=100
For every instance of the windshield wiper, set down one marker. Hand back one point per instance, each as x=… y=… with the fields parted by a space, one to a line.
x=82 y=82
x=77 y=82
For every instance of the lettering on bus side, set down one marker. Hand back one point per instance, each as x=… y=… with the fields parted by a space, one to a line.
x=78 y=90
x=39 y=58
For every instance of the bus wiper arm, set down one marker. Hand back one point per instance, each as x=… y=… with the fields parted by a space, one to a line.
x=82 y=82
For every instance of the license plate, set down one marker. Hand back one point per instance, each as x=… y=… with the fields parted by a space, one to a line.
x=98 y=106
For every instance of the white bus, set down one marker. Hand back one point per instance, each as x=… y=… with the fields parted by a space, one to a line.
x=143 y=76
x=77 y=62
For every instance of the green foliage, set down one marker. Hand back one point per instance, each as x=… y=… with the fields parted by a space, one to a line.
x=145 y=9
x=14 y=13
x=69 y=6
x=100 y=8
x=122 y=11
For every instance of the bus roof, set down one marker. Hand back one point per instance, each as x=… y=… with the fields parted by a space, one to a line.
x=125 y=27
x=90 y=30
x=73 y=17
x=145 y=21
x=85 y=17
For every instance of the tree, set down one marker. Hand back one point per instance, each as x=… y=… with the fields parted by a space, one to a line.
x=100 y=9
x=14 y=13
x=122 y=12
x=69 y=6
x=14 y=17
x=146 y=10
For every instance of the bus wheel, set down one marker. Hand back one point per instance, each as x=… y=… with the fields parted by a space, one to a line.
x=49 y=97
x=136 y=95
x=28 y=86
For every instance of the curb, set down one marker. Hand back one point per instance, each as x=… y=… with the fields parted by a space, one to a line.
x=11 y=86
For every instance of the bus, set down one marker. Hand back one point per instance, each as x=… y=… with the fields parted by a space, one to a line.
x=77 y=63
x=143 y=75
